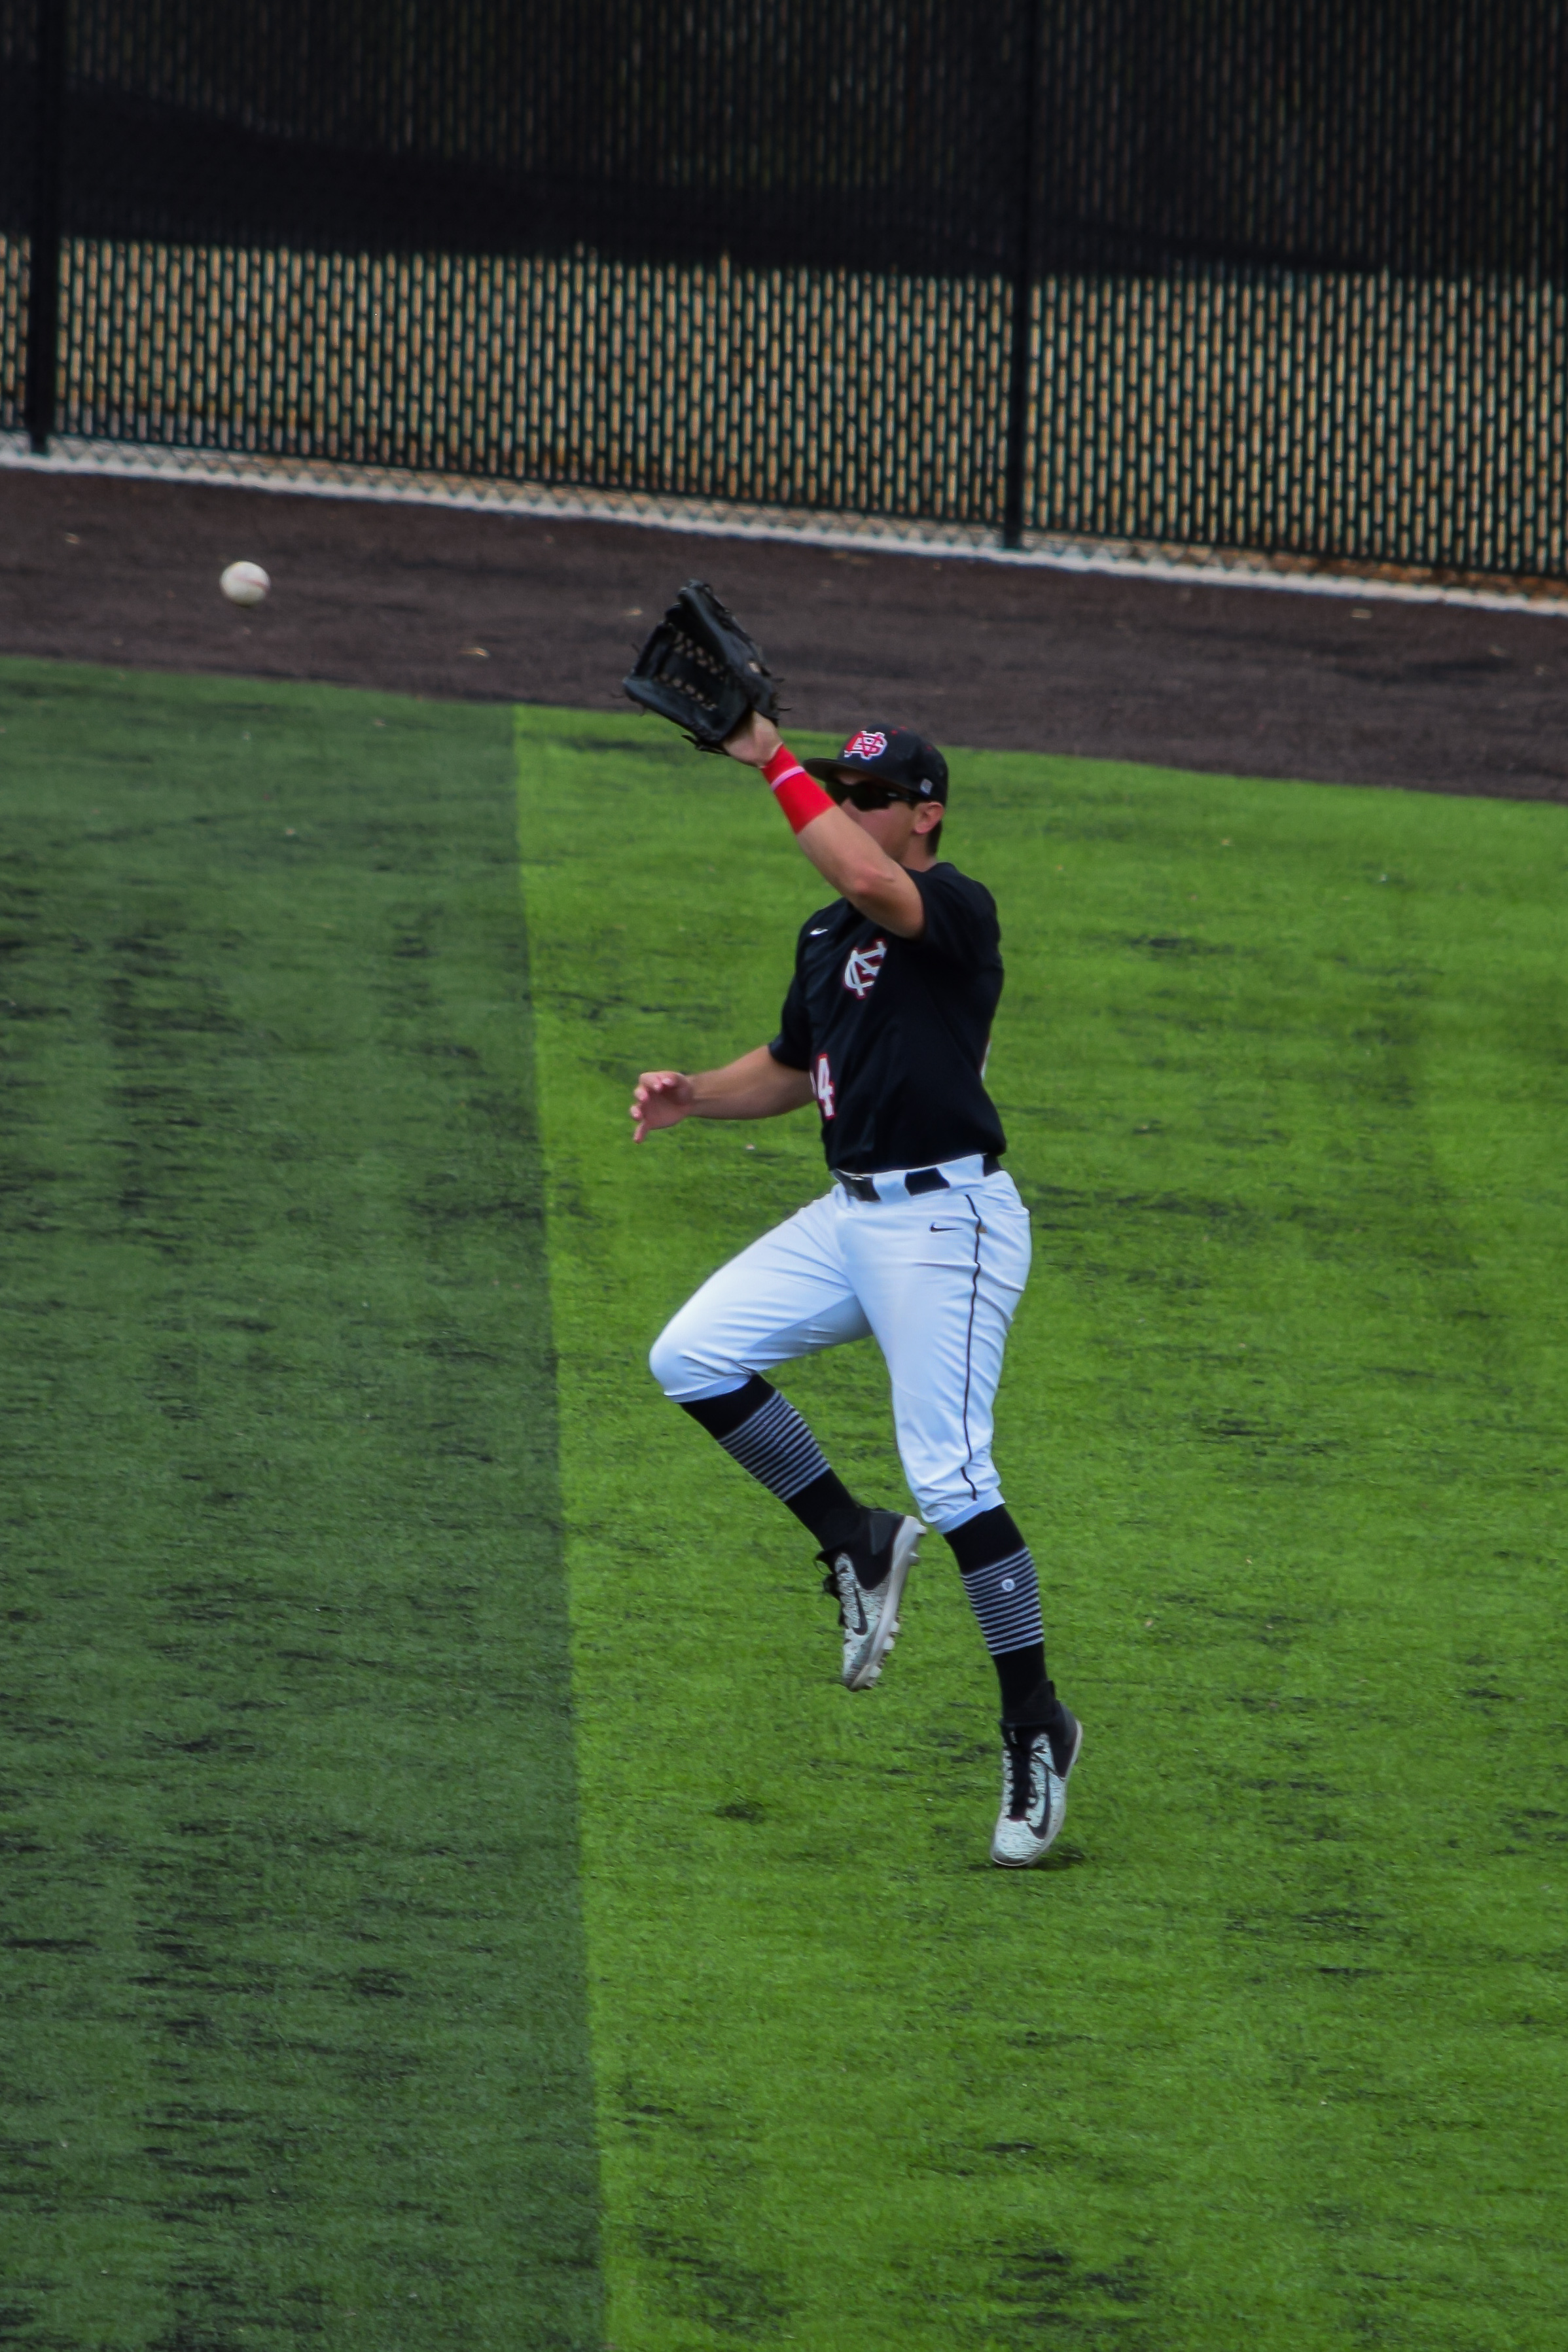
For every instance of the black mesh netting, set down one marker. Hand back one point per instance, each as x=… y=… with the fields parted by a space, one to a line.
x=1287 y=276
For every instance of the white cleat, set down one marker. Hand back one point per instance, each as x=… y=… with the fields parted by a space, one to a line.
x=868 y=1613
x=1035 y=1768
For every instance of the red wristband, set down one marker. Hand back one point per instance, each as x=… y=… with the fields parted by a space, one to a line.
x=796 y=795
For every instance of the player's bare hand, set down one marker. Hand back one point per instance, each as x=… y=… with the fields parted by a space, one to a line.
x=663 y=1099
x=754 y=740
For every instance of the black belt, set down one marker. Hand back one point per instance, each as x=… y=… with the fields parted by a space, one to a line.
x=919 y=1180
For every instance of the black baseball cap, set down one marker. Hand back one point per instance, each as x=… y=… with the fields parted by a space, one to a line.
x=895 y=754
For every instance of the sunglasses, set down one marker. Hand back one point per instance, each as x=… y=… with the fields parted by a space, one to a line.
x=869 y=795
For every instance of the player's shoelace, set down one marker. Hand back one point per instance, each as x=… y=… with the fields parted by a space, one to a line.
x=1028 y=1758
x=841 y=1584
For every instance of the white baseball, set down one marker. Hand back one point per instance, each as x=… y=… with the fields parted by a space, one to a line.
x=245 y=583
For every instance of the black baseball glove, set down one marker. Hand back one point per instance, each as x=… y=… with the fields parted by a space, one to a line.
x=700 y=670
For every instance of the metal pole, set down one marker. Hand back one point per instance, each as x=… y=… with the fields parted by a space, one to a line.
x=1022 y=281
x=44 y=249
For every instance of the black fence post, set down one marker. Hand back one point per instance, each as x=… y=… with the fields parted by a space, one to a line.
x=44 y=249
x=1022 y=281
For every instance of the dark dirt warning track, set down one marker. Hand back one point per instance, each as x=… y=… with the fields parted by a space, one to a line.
x=503 y=608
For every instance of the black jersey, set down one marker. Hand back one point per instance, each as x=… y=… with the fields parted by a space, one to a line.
x=895 y=1032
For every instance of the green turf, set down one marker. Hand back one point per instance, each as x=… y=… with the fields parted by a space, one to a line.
x=292 y=1965
x=1272 y=2056
x=293 y=1993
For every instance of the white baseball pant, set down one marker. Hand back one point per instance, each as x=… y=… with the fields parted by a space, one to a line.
x=934 y=1280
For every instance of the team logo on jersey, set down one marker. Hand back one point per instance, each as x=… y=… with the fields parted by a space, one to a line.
x=868 y=745
x=864 y=964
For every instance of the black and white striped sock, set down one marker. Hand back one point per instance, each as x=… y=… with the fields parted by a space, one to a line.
x=766 y=1435
x=776 y=1447
x=1003 y=1591
x=1006 y=1598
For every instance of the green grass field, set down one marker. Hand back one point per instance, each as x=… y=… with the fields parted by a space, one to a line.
x=452 y=1903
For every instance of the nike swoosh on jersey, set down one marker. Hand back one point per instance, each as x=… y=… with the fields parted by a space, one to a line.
x=822 y=934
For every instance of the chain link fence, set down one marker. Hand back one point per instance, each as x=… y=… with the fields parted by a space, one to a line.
x=1280 y=275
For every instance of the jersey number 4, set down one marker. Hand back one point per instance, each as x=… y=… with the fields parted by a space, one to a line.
x=822 y=1085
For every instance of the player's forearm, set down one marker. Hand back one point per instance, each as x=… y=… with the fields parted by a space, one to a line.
x=844 y=856
x=756 y=1086
x=859 y=868
x=863 y=873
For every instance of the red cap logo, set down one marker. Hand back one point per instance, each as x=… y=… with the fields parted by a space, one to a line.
x=867 y=745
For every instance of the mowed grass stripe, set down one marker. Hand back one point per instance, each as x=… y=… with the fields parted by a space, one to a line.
x=1273 y=2054
x=292 y=1963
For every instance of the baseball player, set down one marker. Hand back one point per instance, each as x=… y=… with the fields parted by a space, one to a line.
x=922 y=1242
